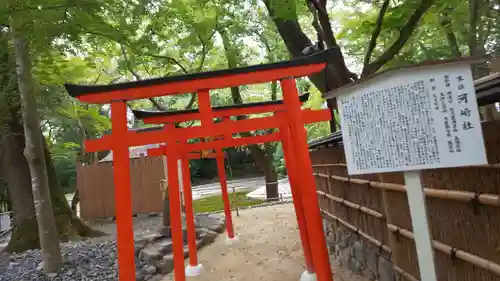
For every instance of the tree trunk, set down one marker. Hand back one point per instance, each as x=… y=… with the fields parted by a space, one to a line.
x=17 y=174
x=25 y=235
x=296 y=41
x=34 y=152
x=14 y=166
x=335 y=75
x=18 y=179
x=476 y=40
x=271 y=177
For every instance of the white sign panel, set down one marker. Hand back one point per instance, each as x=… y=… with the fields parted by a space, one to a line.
x=414 y=119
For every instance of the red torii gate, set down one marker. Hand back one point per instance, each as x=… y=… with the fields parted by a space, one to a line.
x=170 y=118
x=290 y=120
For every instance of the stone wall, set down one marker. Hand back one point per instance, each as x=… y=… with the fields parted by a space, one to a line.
x=352 y=252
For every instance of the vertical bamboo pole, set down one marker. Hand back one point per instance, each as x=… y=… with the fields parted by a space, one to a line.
x=393 y=243
x=314 y=221
x=121 y=175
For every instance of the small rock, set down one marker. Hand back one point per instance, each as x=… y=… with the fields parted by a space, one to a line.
x=352 y=265
x=165 y=231
x=165 y=247
x=166 y=265
x=385 y=270
x=207 y=236
x=199 y=243
x=40 y=266
x=214 y=222
x=203 y=231
x=150 y=270
x=139 y=277
x=359 y=252
x=139 y=245
x=151 y=238
x=371 y=261
x=342 y=244
x=150 y=254
x=338 y=236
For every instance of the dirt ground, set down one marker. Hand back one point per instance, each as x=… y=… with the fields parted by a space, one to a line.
x=268 y=249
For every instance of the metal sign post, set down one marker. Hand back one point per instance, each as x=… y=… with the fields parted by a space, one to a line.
x=411 y=120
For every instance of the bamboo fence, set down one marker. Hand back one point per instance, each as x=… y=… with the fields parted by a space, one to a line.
x=462 y=205
x=465 y=196
x=446 y=249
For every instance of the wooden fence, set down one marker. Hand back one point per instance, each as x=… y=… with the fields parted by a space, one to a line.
x=463 y=206
x=96 y=188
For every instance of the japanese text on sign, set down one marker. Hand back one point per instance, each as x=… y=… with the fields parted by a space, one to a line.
x=414 y=120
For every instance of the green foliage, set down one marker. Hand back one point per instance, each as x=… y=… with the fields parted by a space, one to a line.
x=285 y=9
x=319 y=129
x=65 y=156
x=279 y=161
x=428 y=42
x=110 y=41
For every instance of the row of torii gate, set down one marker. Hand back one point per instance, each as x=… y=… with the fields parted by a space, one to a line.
x=286 y=116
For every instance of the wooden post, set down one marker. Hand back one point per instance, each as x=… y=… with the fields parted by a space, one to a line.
x=296 y=197
x=235 y=202
x=123 y=200
x=224 y=193
x=175 y=207
x=314 y=221
x=188 y=199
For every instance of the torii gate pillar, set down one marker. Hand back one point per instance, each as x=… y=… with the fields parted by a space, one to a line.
x=309 y=197
x=121 y=174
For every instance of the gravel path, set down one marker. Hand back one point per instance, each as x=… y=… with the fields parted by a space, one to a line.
x=269 y=249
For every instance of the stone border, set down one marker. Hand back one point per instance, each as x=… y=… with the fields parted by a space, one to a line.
x=354 y=253
x=156 y=249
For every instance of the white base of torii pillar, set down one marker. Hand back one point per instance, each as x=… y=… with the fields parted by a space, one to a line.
x=192 y=271
x=306 y=276
x=234 y=240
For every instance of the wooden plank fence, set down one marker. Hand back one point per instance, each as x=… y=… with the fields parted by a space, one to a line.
x=463 y=207
x=96 y=188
